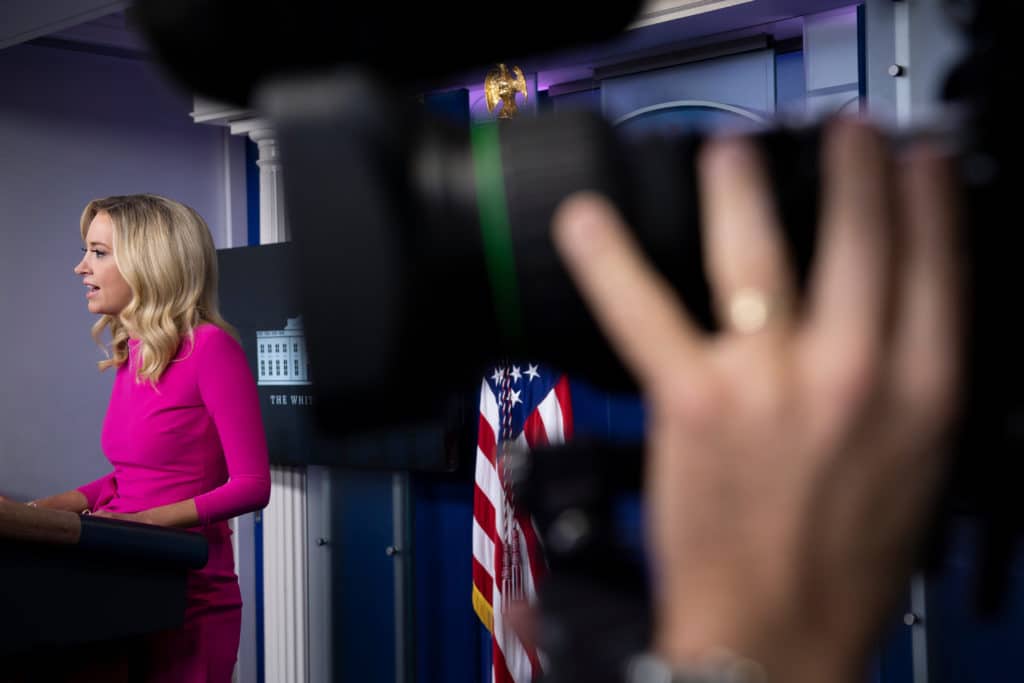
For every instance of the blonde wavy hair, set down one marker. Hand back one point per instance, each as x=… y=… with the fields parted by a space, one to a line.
x=166 y=254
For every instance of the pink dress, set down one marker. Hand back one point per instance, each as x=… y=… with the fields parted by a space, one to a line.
x=197 y=434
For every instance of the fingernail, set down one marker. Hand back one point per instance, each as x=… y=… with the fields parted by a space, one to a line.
x=854 y=130
x=723 y=155
x=579 y=223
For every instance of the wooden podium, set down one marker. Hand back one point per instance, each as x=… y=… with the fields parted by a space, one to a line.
x=78 y=593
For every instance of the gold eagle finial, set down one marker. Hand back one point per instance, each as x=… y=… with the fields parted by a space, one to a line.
x=502 y=86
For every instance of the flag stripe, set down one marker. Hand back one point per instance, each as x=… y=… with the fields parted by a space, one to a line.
x=482 y=577
x=538 y=567
x=514 y=656
x=483 y=547
x=499 y=668
x=565 y=405
x=487 y=482
x=530 y=579
x=482 y=607
x=535 y=431
x=483 y=519
x=486 y=441
x=489 y=407
x=550 y=416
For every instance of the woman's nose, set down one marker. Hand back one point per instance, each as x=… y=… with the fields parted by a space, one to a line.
x=81 y=269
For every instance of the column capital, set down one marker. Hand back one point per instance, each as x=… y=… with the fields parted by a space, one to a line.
x=273 y=226
x=260 y=134
x=238 y=120
x=255 y=128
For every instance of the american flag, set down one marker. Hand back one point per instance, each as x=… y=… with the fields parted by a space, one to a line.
x=521 y=406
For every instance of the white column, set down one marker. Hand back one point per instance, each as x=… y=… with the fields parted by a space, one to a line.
x=273 y=224
x=286 y=623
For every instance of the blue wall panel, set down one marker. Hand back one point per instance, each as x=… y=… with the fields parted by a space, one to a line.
x=363 y=585
x=448 y=633
x=745 y=80
x=963 y=646
x=790 y=83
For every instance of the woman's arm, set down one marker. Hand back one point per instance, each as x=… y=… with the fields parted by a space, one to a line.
x=228 y=389
x=72 y=501
x=77 y=500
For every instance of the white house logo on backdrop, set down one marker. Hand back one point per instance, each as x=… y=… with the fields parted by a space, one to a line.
x=282 y=358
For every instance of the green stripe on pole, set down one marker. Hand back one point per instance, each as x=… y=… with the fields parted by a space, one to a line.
x=494 y=228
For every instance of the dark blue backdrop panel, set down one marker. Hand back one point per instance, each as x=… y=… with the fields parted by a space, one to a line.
x=448 y=632
x=452 y=105
x=363 y=584
x=615 y=418
x=252 y=193
x=894 y=659
x=964 y=647
x=601 y=415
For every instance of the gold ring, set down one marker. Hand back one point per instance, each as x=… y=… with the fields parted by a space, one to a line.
x=749 y=310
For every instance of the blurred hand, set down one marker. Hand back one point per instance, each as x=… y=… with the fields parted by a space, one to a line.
x=794 y=457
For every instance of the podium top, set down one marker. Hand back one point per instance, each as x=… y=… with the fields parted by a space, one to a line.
x=96 y=535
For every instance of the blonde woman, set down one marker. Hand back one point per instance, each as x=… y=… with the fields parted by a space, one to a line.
x=183 y=430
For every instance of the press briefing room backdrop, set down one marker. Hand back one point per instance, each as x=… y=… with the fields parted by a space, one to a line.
x=361 y=568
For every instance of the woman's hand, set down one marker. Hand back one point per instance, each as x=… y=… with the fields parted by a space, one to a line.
x=794 y=457
x=71 y=501
x=4 y=499
x=182 y=514
x=139 y=517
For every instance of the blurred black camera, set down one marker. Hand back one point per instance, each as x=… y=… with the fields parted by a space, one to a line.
x=423 y=244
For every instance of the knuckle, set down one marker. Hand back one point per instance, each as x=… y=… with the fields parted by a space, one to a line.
x=700 y=403
x=929 y=386
x=850 y=378
x=766 y=387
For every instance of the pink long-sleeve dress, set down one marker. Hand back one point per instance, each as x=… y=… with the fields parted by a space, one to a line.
x=197 y=434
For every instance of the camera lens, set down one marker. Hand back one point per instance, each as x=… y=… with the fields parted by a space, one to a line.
x=426 y=249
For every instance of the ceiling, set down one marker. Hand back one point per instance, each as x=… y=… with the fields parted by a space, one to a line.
x=24 y=20
x=110 y=31
x=777 y=19
x=102 y=26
